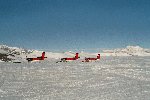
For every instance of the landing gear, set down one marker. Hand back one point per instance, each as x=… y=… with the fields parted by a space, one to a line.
x=62 y=60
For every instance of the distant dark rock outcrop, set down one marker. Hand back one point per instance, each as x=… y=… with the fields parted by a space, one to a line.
x=4 y=57
x=11 y=53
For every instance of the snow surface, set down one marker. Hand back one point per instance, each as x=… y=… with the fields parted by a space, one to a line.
x=111 y=78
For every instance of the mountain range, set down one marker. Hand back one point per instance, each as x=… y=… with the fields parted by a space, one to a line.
x=10 y=54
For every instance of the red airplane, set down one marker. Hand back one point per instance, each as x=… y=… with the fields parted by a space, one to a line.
x=90 y=59
x=70 y=59
x=38 y=58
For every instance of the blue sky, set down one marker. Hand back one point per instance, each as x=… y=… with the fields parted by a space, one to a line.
x=74 y=24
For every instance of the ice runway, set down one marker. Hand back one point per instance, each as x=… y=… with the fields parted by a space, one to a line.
x=111 y=78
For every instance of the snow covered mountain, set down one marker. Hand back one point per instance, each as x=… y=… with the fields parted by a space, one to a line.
x=128 y=51
x=12 y=53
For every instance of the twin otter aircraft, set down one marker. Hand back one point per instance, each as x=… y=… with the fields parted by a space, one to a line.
x=37 y=58
x=63 y=59
x=91 y=59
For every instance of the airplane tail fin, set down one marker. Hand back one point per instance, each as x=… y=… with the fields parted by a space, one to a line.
x=43 y=55
x=98 y=57
x=77 y=56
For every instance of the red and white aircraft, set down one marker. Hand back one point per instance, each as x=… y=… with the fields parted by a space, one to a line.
x=38 y=58
x=92 y=59
x=69 y=59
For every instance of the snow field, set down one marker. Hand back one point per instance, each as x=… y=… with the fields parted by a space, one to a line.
x=111 y=78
